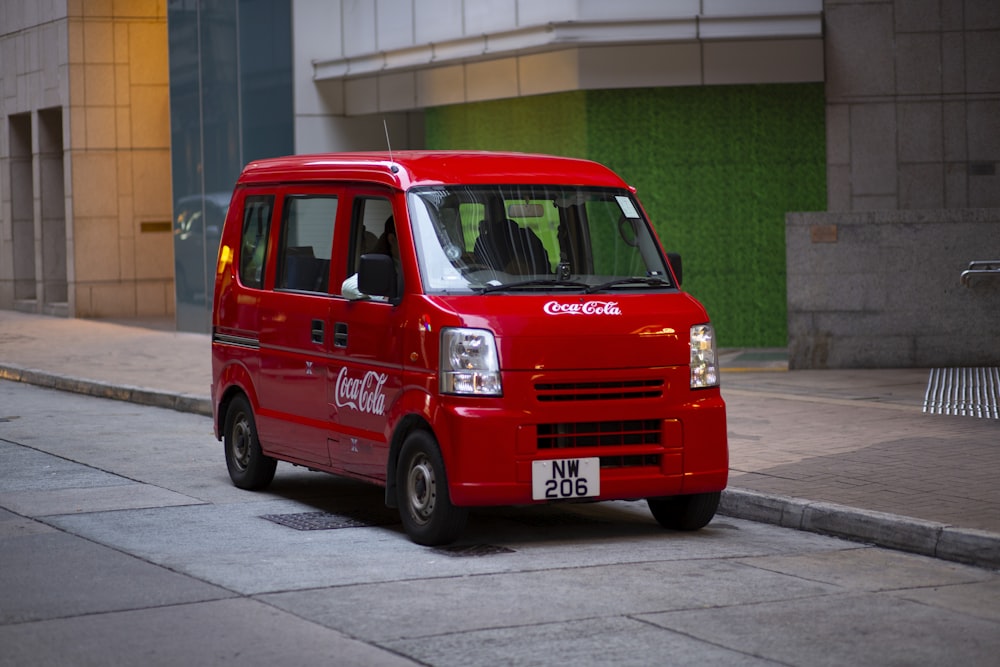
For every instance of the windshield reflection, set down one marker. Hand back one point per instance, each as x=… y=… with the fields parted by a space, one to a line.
x=516 y=239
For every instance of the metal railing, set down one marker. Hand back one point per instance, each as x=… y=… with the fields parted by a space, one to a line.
x=985 y=268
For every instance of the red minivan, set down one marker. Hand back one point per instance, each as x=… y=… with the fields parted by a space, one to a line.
x=464 y=329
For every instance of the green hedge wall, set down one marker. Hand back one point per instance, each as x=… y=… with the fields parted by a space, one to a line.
x=716 y=168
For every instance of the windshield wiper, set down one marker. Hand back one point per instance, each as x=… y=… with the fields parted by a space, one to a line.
x=652 y=281
x=536 y=282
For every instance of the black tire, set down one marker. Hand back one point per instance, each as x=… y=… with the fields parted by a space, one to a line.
x=248 y=467
x=685 y=512
x=422 y=493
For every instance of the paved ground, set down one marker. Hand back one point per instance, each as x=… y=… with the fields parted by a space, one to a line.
x=849 y=453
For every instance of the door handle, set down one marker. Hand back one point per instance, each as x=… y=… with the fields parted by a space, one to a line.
x=340 y=334
x=317 y=332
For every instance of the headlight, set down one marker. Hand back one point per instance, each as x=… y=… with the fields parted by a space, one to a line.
x=704 y=366
x=469 y=363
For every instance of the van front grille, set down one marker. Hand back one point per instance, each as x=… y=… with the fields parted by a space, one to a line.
x=635 y=461
x=599 y=391
x=599 y=434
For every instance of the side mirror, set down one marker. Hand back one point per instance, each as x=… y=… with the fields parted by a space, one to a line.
x=377 y=276
x=678 y=267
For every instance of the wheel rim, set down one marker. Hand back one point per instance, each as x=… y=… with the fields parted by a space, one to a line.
x=421 y=489
x=240 y=441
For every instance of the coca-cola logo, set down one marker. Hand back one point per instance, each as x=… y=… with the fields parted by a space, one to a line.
x=583 y=308
x=365 y=393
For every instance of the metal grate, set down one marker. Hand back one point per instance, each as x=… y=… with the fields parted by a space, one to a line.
x=634 y=461
x=326 y=521
x=968 y=392
x=600 y=434
x=473 y=550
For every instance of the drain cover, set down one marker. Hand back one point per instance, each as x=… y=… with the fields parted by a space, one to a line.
x=473 y=550
x=969 y=392
x=326 y=521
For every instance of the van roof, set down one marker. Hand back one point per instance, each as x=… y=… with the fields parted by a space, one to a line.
x=405 y=169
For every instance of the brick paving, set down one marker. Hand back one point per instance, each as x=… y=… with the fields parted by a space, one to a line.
x=861 y=438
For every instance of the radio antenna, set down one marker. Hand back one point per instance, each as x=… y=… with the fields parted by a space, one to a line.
x=389 y=145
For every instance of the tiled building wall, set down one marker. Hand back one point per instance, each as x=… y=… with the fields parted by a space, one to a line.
x=913 y=104
x=119 y=153
x=913 y=143
x=83 y=90
x=883 y=289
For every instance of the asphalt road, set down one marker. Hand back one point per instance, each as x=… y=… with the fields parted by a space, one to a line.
x=122 y=541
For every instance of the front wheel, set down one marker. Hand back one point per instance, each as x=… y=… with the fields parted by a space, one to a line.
x=422 y=493
x=249 y=467
x=685 y=512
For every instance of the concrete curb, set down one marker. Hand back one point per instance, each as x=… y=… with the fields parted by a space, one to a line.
x=201 y=405
x=928 y=538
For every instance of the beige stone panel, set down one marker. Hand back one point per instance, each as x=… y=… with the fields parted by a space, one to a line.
x=154 y=255
x=150 y=117
x=98 y=42
x=96 y=250
x=396 y=91
x=113 y=300
x=124 y=159
x=148 y=53
x=128 y=227
x=77 y=139
x=441 y=86
x=123 y=88
x=491 y=80
x=361 y=95
x=74 y=38
x=97 y=8
x=95 y=186
x=126 y=251
x=81 y=300
x=123 y=123
x=77 y=85
x=551 y=72
x=121 y=54
x=100 y=83
x=74 y=7
x=151 y=184
x=101 y=127
x=140 y=8
x=154 y=298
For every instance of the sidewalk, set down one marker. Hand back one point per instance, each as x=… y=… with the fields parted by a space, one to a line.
x=842 y=452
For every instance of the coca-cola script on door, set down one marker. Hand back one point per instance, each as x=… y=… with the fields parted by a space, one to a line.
x=364 y=394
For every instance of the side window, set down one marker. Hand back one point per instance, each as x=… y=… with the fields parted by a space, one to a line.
x=306 y=242
x=253 y=243
x=369 y=233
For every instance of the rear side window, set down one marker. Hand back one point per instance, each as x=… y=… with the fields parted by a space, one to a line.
x=253 y=244
x=306 y=243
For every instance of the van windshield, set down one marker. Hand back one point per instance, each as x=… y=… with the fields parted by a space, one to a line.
x=532 y=238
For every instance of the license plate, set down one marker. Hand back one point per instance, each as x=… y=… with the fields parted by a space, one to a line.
x=565 y=478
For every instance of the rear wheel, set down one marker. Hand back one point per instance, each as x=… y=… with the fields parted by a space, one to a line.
x=685 y=512
x=249 y=467
x=422 y=493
